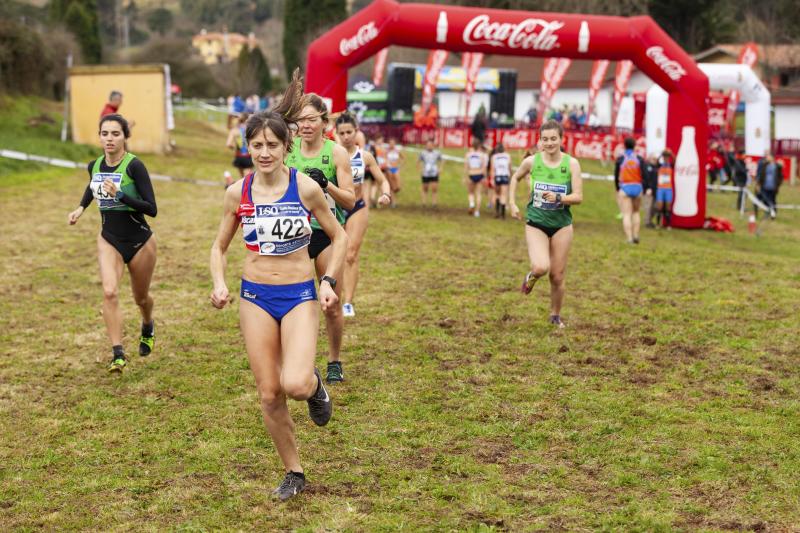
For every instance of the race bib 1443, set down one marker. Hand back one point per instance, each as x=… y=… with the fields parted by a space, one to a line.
x=540 y=188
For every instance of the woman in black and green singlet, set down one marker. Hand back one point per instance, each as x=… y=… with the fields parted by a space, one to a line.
x=328 y=164
x=556 y=184
x=120 y=183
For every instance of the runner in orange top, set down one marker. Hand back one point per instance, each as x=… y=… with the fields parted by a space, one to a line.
x=628 y=172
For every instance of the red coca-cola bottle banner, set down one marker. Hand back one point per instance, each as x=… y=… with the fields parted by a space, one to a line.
x=523 y=33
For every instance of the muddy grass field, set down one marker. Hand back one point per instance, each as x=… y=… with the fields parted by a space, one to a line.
x=670 y=402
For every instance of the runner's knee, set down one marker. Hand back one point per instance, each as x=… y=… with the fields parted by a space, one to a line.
x=110 y=293
x=271 y=398
x=299 y=387
x=540 y=269
x=556 y=278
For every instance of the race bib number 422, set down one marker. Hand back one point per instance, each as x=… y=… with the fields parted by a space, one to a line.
x=103 y=198
x=540 y=188
x=281 y=229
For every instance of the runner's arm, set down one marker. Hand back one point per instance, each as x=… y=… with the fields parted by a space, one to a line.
x=343 y=192
x=523 y=170
x=87 y=194
x=576 y=196
x=141 y=178
x=231 y=142
x=219 y=249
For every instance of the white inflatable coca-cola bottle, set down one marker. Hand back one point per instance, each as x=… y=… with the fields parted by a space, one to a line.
x=687 y=175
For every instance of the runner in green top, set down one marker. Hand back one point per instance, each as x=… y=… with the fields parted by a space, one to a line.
x=328 y=164
x=556 y=184
x=120 y=183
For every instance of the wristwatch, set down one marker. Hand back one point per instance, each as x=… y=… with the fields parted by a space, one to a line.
x=331 y=281
x=119 y=195
x=558 y=198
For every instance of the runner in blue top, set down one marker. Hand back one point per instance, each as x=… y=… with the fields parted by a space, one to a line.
x=121 y=185
x=278 y=309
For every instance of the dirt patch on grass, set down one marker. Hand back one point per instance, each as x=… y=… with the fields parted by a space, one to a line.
x=476 y=516
x=493 y=451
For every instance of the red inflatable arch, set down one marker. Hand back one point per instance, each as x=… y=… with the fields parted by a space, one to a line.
x=495 y=31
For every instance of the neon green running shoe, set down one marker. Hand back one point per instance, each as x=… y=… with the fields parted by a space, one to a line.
x=117 y=364
x=146 y=342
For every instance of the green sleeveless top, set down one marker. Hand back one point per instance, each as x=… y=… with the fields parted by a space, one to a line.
x=544 y=179
x=323 y=161
x=120 y=177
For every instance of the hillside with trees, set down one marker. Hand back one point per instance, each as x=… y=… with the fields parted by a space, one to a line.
x=37 y=36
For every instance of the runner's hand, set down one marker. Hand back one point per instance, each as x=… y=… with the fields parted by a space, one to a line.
x=327 y=296
x=220 y=297
x=514 y=210
x=110 y=187
x=318 y=176
x=384 y=199
x=549 y=196
x=73 y=217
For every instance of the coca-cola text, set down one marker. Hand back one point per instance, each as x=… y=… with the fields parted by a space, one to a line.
x=532 y=33
x=671 y=68
x=365 y=34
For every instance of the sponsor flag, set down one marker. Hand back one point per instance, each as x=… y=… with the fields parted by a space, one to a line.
x=748 y=56
x=553 y=72
x=471 y=61
x=436 y=60
x=624 y=69
x=380 y=66
x=599 y=69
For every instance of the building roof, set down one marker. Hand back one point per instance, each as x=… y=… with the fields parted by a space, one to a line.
x=529 y=71
x=233 y=38
x=774 y=55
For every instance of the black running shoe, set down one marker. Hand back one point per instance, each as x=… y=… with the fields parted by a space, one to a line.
x=320 y=407
x=335 y=373
x=292 y=485
x=147 y=340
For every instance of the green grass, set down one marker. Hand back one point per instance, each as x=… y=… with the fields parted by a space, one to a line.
x=669 y=403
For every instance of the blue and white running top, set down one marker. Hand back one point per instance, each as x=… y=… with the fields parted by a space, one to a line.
x=476 y=162
x=279 y=228
x=357 y=164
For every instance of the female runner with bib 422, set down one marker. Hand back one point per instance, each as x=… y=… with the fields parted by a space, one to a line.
x=278 y=310
x=121 y=185
x=556 y=184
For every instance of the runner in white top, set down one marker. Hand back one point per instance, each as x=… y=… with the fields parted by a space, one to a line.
x=501 y=176
x=356 y=219
x=430 y=162
x=475 y=168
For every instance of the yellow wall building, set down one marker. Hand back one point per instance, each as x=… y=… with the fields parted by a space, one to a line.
x=144 y=100
x=225 y=47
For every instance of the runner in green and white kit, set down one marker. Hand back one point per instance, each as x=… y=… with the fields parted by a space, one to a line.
x=556 y=184
x=328 y=164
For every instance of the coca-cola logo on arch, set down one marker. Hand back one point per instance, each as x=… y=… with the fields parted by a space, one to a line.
x=365 y=34
x=671 y=68
x=531 y=33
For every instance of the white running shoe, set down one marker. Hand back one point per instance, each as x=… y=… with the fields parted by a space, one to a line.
x=348 y=310
x=477 y=213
